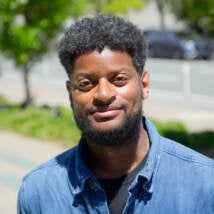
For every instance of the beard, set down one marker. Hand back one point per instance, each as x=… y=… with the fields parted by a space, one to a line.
x=128 y=129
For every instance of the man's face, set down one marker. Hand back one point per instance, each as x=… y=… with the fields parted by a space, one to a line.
x=106 y=96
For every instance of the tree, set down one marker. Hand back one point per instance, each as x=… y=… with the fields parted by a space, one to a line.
x=197 y=14
x=27 y=28
x=115 y=6
x=161 y=4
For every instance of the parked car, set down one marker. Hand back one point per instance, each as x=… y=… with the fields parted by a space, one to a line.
x=203 y=46
x=165 y=44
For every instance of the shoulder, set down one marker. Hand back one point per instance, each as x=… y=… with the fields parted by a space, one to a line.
x=53 y=167
x=186 y=170
x=44 y=181
x=172 y=150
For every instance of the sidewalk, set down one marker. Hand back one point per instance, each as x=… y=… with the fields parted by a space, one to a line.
x=18 y=155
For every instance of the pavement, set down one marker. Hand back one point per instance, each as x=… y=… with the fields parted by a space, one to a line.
x=19 y=154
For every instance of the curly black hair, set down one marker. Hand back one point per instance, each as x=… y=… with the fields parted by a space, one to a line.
x=96 y=33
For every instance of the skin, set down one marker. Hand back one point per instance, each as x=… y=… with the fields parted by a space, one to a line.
x=103 y=90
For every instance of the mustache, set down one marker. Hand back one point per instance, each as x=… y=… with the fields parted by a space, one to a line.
x=105 y=108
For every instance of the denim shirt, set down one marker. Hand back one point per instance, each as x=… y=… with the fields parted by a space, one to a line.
x=175 y=179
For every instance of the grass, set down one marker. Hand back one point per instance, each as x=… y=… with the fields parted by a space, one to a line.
x=57 y=125
x=54 y=124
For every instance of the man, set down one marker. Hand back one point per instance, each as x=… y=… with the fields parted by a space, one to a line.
x=121 y=164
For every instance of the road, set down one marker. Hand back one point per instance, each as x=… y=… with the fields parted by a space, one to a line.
x=190 y=78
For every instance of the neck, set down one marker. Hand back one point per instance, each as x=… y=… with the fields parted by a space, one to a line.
x=115 y=161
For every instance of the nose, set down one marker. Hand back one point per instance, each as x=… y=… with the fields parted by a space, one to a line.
x=105 y=92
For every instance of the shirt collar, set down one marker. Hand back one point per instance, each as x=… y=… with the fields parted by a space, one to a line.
x=82 y=172
x=148 y=173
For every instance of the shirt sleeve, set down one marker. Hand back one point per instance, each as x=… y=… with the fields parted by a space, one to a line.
x=21 y=202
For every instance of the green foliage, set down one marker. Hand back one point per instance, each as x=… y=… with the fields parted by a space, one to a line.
x=115 y=6
x=41 y=122
x=27 y=26
x=173 y=125
x=197 y=14
x=3 y=100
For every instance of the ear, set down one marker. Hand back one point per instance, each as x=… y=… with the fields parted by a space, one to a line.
x=145 y=85
x=69 y=89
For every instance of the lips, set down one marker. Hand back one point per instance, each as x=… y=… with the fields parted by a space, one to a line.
x=104 y=113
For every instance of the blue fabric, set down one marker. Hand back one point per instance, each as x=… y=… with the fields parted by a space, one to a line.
x=175 y=179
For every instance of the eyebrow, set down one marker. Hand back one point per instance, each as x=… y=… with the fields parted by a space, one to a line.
x=91 y=74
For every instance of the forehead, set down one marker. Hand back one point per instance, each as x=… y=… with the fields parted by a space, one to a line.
x=107 y=59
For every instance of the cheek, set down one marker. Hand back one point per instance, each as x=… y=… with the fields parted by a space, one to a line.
x=132 y=94
x=80 y=101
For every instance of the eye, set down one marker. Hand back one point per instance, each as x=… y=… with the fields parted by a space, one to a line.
x=84 y=85
x=120 y=80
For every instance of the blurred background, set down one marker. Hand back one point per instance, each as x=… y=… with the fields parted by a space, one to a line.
x=35 y=119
